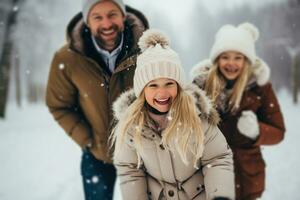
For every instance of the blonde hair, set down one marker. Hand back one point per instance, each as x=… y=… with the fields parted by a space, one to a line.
x=216 y=82
x=184 y=131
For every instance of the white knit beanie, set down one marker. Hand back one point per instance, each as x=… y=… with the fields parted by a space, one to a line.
x=87 y=5
x=241 y=39
x=157 y=60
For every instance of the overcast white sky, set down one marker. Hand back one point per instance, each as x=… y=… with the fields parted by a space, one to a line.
x=178 y=12
x=184 y=6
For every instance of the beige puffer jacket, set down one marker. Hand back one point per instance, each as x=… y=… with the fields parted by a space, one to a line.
x=163 y=175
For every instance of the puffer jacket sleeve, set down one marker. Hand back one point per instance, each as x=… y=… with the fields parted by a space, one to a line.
x=62 y=101
x=132 y=178
x=271 y=123
x=217 y=165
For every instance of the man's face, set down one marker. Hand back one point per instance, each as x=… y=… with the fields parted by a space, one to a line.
x=106 y=22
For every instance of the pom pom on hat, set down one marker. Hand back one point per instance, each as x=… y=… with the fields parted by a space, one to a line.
x=157 y=60
x=251 y=29
x=151 y=38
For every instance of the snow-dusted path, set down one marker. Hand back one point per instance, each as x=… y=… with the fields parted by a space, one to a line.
x=39 y=162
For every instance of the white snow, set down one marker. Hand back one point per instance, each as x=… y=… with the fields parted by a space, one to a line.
x=39 y=161
x=15 y=8
x=61 y=66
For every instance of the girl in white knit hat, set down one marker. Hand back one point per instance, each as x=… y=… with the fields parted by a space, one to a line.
x=237 y=81
x=167 y=145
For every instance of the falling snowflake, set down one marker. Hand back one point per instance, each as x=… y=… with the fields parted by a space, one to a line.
x=102 y=84
x=88 y=181
x=95 y=179
x=61 y=66
x=209 y=166
x=15 y=8
x=169 y=118
x=258 y=97
x=85 y=95
x=271 y=105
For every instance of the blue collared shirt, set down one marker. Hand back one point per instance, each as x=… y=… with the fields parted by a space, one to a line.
x=109 y=57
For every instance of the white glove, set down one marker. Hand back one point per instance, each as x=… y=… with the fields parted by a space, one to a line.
x=248 y=124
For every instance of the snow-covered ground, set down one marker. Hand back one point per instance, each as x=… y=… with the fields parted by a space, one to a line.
x=39 y=162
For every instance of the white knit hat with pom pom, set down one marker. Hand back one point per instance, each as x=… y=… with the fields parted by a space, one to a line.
x=241 y=39
x=157 y=60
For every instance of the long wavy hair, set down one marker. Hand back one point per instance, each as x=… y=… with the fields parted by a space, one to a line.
x=216 y=82
x=183 y=132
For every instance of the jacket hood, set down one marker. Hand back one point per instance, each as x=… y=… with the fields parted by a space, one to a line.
x=261 y=72
x=204 y=106
x=134 y=19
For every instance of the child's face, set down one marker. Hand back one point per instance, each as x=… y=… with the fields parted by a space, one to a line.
x=231 y=64
x=160 y=93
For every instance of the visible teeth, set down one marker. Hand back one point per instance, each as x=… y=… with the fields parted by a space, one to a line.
x=162 y=100
x=108 y=32
x=231 y=70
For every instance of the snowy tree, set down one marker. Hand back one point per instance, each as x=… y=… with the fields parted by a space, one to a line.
x=40 y=31
x=284 y=44
x=8 y=10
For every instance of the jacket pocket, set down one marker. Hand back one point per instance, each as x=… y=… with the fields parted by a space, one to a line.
x=250 y=170
x=194 y=186
x=250 y=161
x=154 y=188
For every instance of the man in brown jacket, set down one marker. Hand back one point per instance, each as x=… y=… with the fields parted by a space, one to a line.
x=87 y=74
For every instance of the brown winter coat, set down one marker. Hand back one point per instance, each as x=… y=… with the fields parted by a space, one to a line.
x=80 y=90
x=163 y=175
x=260 y=98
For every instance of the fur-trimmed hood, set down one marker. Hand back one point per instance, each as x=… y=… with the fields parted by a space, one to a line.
x=204 y=106
x=261 y=72
x=135 y=21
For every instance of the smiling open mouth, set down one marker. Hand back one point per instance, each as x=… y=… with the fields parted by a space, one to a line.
x=163 y=101
x=107 y=32
x=231 y=70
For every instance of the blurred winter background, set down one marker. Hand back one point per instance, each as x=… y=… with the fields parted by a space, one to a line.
x=39 y=162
